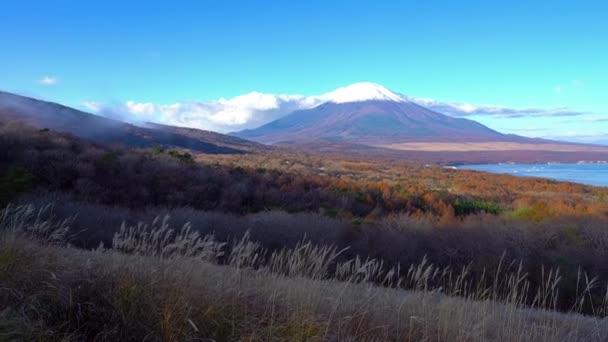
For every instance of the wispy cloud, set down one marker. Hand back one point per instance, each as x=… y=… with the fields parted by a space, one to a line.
x=48 y=80
x=586 y=120
x=596 y=119
x=465 y=109
x=530 y=129
x=92 y=106
x=576 y=134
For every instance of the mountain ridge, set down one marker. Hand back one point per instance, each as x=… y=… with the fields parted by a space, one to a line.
x=49 y=115
x=373 y=122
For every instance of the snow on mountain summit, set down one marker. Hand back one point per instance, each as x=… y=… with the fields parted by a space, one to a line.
x=363 y=91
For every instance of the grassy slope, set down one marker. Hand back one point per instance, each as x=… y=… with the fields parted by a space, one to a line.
x=175 y=291
x=53 y=292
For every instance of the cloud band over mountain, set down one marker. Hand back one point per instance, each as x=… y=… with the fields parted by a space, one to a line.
x=254 y=109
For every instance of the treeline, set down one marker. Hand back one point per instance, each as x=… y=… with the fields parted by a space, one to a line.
x=32 y=159
x=440 y=188
x=44 y=160
x=396 y=220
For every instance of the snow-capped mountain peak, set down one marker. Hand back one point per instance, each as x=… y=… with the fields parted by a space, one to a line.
x=363 y=91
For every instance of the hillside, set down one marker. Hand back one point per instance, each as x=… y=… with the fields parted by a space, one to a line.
x=148 y=290
x=378 y=125
x=367 y=120
x=371 y=122
x=48 y=115
x=285 y=217
x=223 y=140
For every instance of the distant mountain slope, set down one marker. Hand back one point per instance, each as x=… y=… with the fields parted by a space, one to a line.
x=373 y=122
x=57 y=117
x=223 y=140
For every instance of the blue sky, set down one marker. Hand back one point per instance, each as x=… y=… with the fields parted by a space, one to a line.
x=517 y=54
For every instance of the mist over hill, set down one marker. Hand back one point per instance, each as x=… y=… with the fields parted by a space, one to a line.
x=48 y=115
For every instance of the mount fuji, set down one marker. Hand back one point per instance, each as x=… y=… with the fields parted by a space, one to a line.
x=370 y=114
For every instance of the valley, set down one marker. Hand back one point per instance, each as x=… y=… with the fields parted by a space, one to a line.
x=152 y=194
x=306 y=171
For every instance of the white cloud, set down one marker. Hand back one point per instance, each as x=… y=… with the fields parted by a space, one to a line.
x=254 y=109
x=141 y=109
x=130 y=111
x=225 y=115
x=578 y=83
x=558 y=89
x=48 y=80
x=92 y=106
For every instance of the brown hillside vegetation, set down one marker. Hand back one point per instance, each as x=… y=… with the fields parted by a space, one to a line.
x=152 y=288
x=457 y=153
x=429 y=183
x=498 y=246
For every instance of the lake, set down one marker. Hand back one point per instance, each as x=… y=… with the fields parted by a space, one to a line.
x=586 y=173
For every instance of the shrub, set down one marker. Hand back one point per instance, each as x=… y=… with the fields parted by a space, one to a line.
x=16 y=180
x=467 y=207
x=57 y=293
x=183 y=157
x=536 y=213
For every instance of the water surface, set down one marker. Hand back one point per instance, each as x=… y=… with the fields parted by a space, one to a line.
x=586 y=173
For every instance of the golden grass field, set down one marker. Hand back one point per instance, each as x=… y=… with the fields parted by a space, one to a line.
x=157 y=284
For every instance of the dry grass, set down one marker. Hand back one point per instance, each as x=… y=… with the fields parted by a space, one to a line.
x=158 y=284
